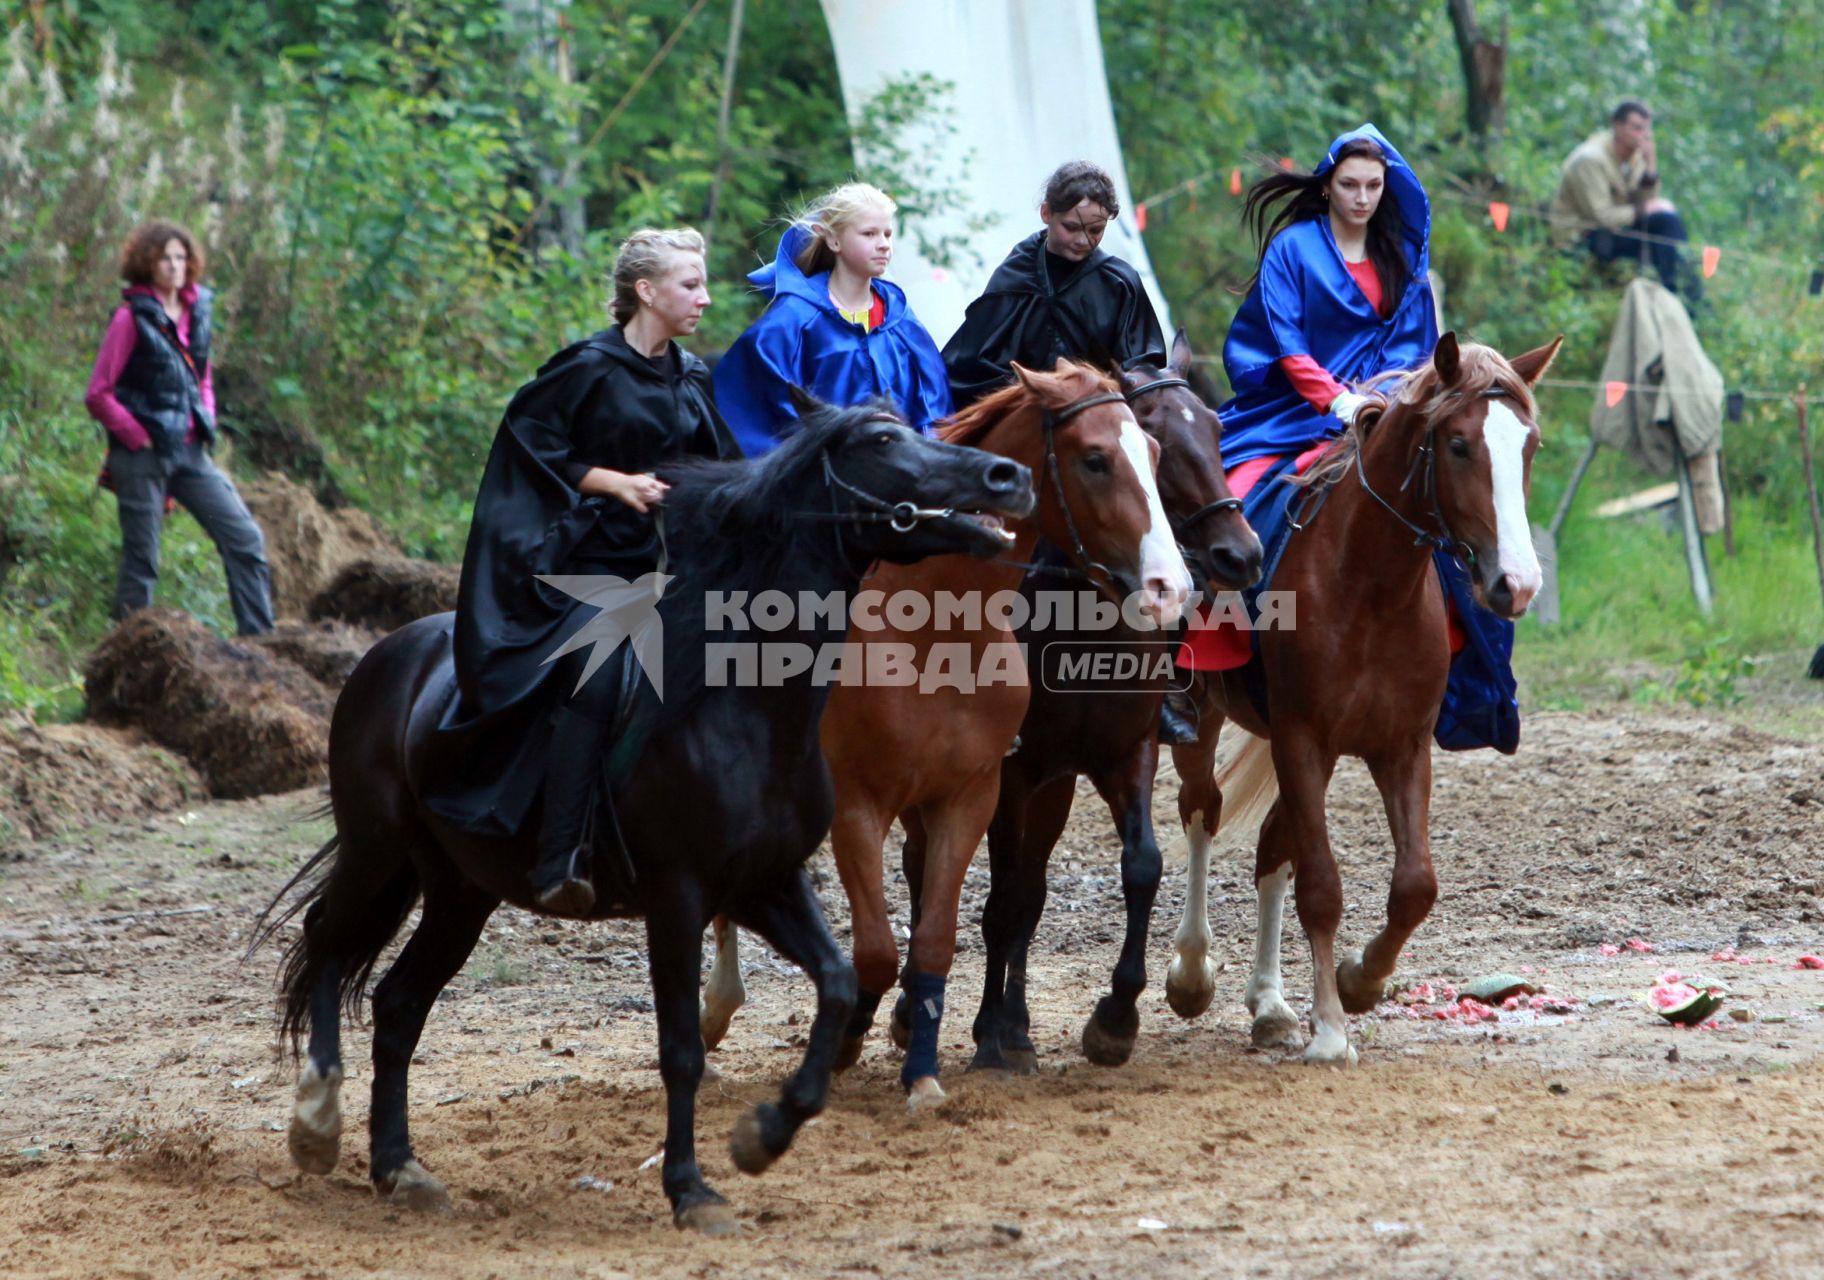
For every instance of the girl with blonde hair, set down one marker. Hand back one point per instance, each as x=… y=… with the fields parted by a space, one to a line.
x=835 y=326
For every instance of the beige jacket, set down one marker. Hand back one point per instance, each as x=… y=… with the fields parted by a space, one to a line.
x=1673 y=388
x=1596 y=190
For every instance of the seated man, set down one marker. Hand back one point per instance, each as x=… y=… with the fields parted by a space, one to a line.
x=1609 y=199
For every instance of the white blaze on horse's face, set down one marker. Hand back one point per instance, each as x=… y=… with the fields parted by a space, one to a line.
x=1163 y=577
x=1506 y=436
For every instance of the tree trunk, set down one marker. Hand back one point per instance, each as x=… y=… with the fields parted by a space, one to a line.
x=541 y=25
x=1484 y=80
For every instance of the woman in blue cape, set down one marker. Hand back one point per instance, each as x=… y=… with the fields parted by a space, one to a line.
x=1340 y=295
x=834 y=327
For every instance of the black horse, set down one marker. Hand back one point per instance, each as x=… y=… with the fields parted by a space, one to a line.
x=717 y=812
x=1108 y=733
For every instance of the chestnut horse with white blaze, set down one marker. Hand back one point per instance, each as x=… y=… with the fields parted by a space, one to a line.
x=1362 y=673
x=930 y=752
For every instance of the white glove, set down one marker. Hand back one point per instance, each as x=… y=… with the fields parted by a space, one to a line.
x=1346 y=406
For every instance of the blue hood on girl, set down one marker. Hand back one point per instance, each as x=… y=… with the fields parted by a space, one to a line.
x=802 y=339
x=1306 y=303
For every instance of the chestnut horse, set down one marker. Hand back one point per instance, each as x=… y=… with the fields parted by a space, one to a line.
x=1445 y=464
x=1108 y=733
x=930 y=752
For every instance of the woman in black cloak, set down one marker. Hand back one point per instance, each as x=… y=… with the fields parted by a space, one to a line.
x=1057 y=296
x=569 y=490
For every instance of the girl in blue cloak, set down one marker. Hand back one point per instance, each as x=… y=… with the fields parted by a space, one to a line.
x=1340 y=296
x=834 y=327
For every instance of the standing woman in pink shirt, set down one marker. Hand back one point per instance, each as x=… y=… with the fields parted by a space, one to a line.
x=152 y=391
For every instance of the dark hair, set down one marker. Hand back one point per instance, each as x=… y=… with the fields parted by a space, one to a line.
x=1629 y=107
x=1300 y=197
x=1071 y=184
x=146 y=245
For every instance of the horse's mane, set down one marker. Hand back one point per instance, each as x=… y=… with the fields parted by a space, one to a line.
x=735 y=526
x=970 y=424
x=1420 y=395
x=718 y=515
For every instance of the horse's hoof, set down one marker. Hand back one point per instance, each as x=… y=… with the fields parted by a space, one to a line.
x=714 y=1025
x=1330 y=1049
x=748 y=1144
x=1276 y=1027
x=1359 y=994
x=1188 y=997
x=412 y=1186
x=848 y=1052
x=707 y=1218
x=925 y=1094
x=315 y=1138
x=1103 y=1047
x=901 y=1024
x=989 y=1059
x=1022 y=1062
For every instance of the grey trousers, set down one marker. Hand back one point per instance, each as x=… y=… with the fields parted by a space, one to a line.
x=141 y=481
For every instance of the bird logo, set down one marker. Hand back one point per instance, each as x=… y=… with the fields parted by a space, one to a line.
x=625 y=611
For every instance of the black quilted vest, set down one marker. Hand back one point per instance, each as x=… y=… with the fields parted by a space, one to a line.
x=160 y=386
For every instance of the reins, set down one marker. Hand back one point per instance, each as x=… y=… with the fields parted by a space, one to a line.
x=1424 y=465
x=1209 y=508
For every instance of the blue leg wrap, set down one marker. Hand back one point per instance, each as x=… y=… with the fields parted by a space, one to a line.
x=926 y=996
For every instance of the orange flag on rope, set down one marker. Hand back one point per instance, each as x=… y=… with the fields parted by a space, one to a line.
x=1712 y=256
x=1285 y=162
x=1497 y=212
x=1140 y=216
x=1234 y=182
x=1614 y=392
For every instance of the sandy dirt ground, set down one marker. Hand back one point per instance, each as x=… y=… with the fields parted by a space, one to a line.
x=143 y=1100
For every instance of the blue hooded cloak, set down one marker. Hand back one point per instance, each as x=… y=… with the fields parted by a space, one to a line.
x=1306 y=303
x=801 y=339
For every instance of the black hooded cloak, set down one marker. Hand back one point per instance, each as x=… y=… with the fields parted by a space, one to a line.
x=1099 y=313
x=598 y=403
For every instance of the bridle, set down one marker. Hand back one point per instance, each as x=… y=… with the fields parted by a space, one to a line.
x=1424 y=466
x=1050 y=421
x=1209 y=508
x=903 y=517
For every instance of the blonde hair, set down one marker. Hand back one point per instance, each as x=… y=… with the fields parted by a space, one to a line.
x=645 y=255
x=832 y=212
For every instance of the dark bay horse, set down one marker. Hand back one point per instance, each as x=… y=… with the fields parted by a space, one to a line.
x=1362 y=673
x=715 y=815
x=1108 y=733
x=929 y=753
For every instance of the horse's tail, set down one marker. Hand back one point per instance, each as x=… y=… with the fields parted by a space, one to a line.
x=1249 y=790
x=351 y=911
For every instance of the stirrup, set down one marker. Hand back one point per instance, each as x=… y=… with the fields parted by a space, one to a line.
x=572 y=894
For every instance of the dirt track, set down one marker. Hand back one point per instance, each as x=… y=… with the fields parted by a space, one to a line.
x=142 y=1104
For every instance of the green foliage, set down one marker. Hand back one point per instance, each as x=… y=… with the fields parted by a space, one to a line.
x=1706 y=677
x=1740 y=126
x=365 y=176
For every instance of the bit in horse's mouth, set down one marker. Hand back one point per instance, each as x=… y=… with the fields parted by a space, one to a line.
x=989 y=521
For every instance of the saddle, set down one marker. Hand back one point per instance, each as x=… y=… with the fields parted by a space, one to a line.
x=1480 y=708
x=485 y=775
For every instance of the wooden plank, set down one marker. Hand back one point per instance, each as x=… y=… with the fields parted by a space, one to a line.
x=1658 y=496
